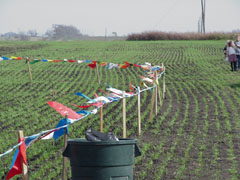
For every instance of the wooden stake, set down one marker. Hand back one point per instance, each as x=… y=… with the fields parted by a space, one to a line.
x=101 y=119
x=159 y=95
x=98 y=74
x=152 y=106
x=139 y=112
x=156 y=93
x=124 y=116
x=24 y=166
x=64 y=174
x=164 y=86
x=29 y=68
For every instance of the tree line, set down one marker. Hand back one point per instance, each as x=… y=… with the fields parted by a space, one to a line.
x=57 y=32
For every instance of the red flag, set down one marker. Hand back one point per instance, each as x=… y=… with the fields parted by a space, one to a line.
x=63 y=110
x=126 y=65
x=130 y=87
x=71 y=61
x=82 y=106
x=20 y=159
x=103 y=64
x=103 y=91
x=93 y=65
x=137 y=65
x=19 y=58
x=56 y=61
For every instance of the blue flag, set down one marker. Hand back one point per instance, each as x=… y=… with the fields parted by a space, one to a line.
x=61 y=131
x=83 y=112
x=5 y=58
x=81 y=94
x=29 y=140
x=88 y=61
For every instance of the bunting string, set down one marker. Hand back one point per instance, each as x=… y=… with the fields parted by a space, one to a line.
x=115 y=95
x=92 y=63
x=47 y=134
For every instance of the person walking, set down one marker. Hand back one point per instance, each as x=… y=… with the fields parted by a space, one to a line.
x=232 y=55
x=225 y=51
x=237 y=48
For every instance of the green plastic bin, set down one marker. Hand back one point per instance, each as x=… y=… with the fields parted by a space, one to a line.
x=104 y=160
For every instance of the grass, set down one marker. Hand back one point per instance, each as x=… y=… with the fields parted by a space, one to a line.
x=194 y=136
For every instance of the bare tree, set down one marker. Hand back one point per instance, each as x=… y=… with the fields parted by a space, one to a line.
x=49 y=33
x=32 y=33
x=23 y=36
x=65 y=32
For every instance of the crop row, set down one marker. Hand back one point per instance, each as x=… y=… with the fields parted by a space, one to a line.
x=194 y=136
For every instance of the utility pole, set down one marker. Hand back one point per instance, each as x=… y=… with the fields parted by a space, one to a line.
x=203 y=3
x=199 y=25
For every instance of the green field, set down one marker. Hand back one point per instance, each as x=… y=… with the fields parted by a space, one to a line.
x=196 y=134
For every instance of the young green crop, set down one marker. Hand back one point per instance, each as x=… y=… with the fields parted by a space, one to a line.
x=195 y=134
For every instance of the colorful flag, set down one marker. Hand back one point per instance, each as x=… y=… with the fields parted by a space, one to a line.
x=88 y=61
x=30 y=140
x=18 y=159
x=101 y=98
x=83 y=112
x=112 y=65
x=57 y=134
x=13 y=57
x=137 y=65
x=84 y=107
x=81 y=94
x=5 y=58
x=80 y=61
x=126 y=65
x=63 y=110
x=34 y=61
x=97 y=104
x=56 y=61
x=146 y=79
x=103 y=63
x=119 y=92
x=132 y=88
x=93 y=65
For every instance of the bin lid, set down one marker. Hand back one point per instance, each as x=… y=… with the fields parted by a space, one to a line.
x=82 y=141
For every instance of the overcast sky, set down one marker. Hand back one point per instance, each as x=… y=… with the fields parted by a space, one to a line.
x=122 y=16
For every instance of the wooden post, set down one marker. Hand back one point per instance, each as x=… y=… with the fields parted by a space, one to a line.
x=29 y=68
x=164 y=86
x=139 y=112
x=159 y=92
x=159 y=95
x=64 y=174
x=156 y=93
x=98 y=74
x=24 y=166
x=101 y=119
x=124 y=116
x=152 y=106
